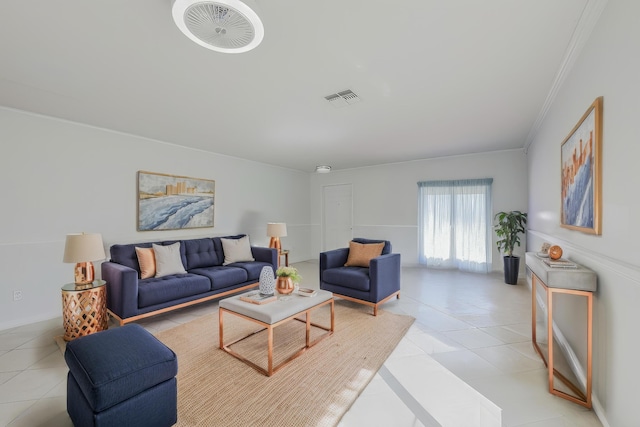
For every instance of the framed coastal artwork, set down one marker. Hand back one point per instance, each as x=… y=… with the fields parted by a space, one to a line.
x=581 y=173
x=172 y=202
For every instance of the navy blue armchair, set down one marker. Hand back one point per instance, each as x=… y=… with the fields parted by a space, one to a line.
x=372 y=285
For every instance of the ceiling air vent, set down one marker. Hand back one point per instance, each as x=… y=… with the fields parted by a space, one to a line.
x=341 y=99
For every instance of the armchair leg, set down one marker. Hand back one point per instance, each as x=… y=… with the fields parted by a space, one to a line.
x=370 y=304
x=375 y=307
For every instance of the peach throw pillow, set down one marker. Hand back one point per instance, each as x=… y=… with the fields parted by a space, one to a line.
x=360 y=254
x=147 y=261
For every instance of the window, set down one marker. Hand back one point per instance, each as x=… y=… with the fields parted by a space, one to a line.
x=455 y=224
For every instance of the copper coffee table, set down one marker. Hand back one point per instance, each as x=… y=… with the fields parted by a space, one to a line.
x=274 y=314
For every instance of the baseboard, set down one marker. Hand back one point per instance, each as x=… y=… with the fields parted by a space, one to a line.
x=34 y=319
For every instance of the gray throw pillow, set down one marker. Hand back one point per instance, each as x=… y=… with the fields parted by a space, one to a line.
x=236 y=250
x=168 y=260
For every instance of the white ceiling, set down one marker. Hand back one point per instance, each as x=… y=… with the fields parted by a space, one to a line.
x=436 y=77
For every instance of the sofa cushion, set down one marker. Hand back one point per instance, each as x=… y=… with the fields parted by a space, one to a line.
x=158 y=290
x=236 y=250
x=253 y=268
x=200 y=253
x=147 y=261
x=360 y=254
x=116 y=364
x=168 y=260
x=349 y=277
x=222 y=276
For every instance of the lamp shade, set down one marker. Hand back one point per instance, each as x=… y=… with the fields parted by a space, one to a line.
x=276 y=229
x=83 y=247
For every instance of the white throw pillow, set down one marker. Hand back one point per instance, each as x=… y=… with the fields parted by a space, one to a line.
x=168 y=260
x=236 y=250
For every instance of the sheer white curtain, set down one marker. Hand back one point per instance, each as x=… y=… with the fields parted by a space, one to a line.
x=455 y=224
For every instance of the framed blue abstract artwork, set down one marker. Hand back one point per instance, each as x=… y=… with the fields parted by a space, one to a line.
x=581 y=173
x=171 y=202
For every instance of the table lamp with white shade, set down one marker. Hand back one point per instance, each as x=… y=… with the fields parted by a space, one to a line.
x=82 y=248
x=276 y=230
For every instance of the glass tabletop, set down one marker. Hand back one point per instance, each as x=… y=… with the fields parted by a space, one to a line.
x=74 y=287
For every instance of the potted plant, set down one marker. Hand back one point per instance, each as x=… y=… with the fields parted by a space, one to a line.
x=509 y=226
x=287 y=278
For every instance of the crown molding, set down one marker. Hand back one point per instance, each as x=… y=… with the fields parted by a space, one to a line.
x=585 y=26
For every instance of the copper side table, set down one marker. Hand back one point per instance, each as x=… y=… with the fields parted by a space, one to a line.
x=285 y=254
x=84 y=309
x=580 y=282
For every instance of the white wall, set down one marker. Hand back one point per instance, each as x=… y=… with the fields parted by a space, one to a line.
x=609 y=66
x=385 y=198
x=61 y=177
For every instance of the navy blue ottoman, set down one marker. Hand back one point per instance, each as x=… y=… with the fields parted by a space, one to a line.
x=121 y=377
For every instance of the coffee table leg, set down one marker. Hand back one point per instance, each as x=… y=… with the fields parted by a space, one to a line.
x=270 y=354
x=308 y=316
x=333 y=324
x=221 y=328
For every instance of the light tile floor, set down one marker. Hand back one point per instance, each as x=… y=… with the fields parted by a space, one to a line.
x=466 y=361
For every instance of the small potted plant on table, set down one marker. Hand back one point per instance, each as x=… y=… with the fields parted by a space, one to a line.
x=508 y=228
x=287 y=278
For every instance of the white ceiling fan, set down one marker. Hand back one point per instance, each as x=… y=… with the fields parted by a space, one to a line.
x=228 y=26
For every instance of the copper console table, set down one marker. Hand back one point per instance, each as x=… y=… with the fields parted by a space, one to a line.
x=578 y=281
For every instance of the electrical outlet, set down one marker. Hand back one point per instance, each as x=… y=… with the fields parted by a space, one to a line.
x=17 y=295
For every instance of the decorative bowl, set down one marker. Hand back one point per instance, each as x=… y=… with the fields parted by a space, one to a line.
x=555 y=252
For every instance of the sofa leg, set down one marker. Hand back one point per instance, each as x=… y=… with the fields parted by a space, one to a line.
x=375 y=310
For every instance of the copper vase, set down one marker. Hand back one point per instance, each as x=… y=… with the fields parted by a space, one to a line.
x=284 y=285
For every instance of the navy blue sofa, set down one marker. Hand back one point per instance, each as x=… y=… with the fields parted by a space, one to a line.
x=130 y=298
x=372 y=286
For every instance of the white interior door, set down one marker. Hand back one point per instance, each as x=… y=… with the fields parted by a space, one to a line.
x=337 y=216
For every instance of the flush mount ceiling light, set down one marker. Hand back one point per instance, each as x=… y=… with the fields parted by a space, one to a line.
x=323 y=169
x=228 y=26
